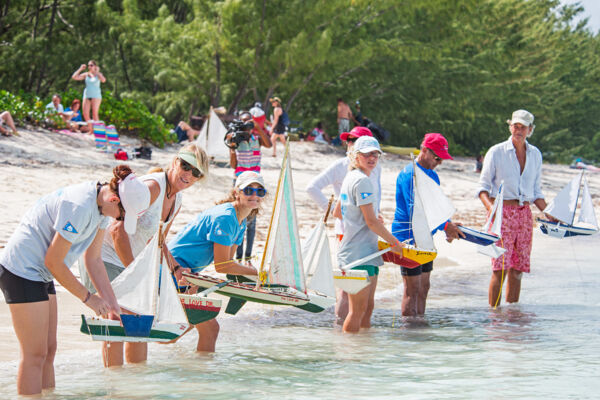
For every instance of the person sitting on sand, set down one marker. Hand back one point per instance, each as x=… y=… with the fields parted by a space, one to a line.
x=59 y=229
x=189 y=132
x=55 y=107
x=75 y=120
x=361 y=229
x=214 y=236
x=120 y=248
x=319 y=134
x=7 y=120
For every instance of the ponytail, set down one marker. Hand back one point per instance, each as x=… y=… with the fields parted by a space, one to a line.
x=120 y=172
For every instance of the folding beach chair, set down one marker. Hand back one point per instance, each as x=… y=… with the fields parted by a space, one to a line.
x=113 y=138
x=100 y=135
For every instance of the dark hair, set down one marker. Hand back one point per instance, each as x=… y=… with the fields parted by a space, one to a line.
x=320 y=125
x=196 y=122
x=340 y=99
x=76 y=101
x=120 y=172
x=93 y=62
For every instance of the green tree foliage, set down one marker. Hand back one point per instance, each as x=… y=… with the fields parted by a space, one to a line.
x=459 y=67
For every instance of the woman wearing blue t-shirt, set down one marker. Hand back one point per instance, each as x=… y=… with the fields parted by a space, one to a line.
x=56 y=231
x=214 y=236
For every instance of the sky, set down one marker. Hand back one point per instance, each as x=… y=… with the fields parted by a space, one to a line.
x=592 y=11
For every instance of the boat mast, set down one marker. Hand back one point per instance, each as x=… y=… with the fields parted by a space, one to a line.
x=577 y=201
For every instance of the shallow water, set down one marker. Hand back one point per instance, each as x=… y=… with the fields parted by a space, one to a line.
x=545 y=347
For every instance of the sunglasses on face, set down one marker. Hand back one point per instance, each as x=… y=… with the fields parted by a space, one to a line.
x=375 y=154
x=249 y=191
x=351 y=139
x=188 y=167
x=435 y=156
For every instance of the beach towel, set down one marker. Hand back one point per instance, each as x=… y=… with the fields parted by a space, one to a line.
x=100 y=135
x=112 y=136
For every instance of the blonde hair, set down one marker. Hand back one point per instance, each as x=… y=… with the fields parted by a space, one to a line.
x=353 y=157
x=154 y=169
x=200 y=155
x=233 y=195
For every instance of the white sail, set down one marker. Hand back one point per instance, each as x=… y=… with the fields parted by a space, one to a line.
x=431 y=208
x=564 y=204
x=211 y=137
x=316 y=257
x=587 y=214
x=135 y=287
x=495 y=217
x=282 y=257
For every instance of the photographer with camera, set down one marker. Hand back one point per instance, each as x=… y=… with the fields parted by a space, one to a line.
x=244 y=139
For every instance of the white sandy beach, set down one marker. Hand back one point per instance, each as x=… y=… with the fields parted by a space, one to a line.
x=38 y=162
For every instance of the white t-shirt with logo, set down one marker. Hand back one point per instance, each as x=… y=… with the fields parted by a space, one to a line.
x=72 y=212
x=359 y=241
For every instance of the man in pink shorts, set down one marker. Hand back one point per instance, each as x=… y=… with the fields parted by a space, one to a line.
x=519 y=165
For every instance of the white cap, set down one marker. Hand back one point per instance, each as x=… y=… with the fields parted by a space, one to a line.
x=256 y=112
x=247 y=178
x=523 y=117
x=366 y=144
x=135 y=199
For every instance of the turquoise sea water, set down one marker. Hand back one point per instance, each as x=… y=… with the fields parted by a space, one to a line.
x=547 y=346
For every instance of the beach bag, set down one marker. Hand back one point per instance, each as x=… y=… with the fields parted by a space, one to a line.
x=285 y=118
x=143 y=152
x=121 y=155
x=112 y=137
x=99 y=135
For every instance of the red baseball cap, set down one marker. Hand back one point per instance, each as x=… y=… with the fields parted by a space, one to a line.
x=437 y=143
x=357 y=132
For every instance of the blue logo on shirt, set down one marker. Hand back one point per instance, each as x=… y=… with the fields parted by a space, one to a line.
x=70 y=228
x=364 y=195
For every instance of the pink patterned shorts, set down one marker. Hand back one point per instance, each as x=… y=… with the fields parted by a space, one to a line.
x=517 y=231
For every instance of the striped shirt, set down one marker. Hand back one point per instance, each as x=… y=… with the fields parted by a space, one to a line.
x=248 y=156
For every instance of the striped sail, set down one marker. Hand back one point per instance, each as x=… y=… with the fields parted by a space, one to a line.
x=282 y=258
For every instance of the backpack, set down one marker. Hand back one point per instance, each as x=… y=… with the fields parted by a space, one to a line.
x=285 y=118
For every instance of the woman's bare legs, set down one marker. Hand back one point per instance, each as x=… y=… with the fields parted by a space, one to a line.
x=207 y=335
x=96 y=108
x=32 y=323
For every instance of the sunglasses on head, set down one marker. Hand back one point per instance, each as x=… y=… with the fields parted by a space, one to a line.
x=249 y=191
x=188 y=167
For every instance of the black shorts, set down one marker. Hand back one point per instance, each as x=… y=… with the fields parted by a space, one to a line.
x=20 y=290
x=427 y=267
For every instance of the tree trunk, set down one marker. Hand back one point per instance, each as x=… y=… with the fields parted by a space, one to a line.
x=47 y=45
x=124 y=60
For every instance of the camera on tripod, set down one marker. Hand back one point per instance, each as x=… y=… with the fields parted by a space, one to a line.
x=237 y=133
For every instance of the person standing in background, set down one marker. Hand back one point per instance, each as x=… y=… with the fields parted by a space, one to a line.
x=344 y=115
x=92 y=96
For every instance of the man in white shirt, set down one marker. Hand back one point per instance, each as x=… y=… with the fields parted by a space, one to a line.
x=519 y=165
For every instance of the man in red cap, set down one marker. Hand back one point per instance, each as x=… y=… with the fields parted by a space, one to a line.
x=434 y=149
x=334 y=175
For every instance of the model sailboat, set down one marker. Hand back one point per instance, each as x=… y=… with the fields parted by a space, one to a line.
x=281 y=273
x=431 y=208
x=491 y=231
x=146 y=290
x=316 y=258
x=564 y=207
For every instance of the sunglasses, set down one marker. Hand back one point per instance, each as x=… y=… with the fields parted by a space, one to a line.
x=351 y=139
x=188 y=167
x=435 y=156
x=375 y=154
x=249 y=191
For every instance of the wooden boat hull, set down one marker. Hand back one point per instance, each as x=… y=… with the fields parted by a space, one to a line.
x=352 y=281
x=268 y=294
x=199 y=308
x=317 y=303
x=107 y=330
x=478 y=237
x=411 y=257
x=558 y=230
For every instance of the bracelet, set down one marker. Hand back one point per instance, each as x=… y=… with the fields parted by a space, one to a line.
x=87 y=297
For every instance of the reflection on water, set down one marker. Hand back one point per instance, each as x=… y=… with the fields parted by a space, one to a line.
x=460 y=349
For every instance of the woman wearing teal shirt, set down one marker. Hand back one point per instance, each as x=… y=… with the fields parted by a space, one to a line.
x=214 y=236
